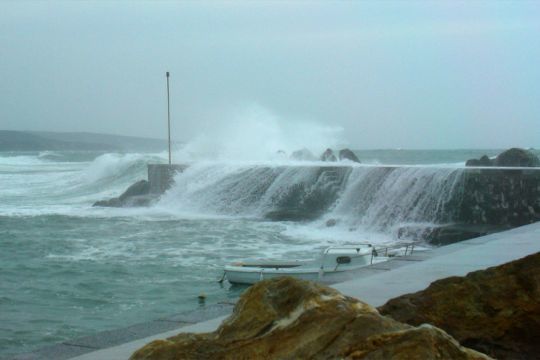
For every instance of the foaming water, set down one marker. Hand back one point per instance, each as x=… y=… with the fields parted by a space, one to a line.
x=233 y=189
x=360 y=200
x=69 y=269
x=256 y=134
x=380 y=199
x=66 y=183
x=113 y=166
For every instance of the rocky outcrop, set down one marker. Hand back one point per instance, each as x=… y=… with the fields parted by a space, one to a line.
x=517 y=157
x=137 y=194
x=347 y=154
x=303 y=155
x=144 y=193
x=483 y=161
x=344 y=154
x=331 y=222
x=328 y=155
x=496 y=311
x=285 y=318
x=513 y=157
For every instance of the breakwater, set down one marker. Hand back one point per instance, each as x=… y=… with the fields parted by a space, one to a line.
x=436 y=203
x=161 y=176
x=500 y=196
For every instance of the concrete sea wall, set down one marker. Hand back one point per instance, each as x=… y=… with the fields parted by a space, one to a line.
x=500 y=196
x=382 y=196
x=161 y=176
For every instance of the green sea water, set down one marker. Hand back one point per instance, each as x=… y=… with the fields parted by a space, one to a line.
x=68 y=269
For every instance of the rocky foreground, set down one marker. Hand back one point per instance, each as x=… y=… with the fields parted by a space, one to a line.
x=496 y=311
x=286 y=318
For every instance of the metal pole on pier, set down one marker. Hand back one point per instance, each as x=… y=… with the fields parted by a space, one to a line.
x=168 y=117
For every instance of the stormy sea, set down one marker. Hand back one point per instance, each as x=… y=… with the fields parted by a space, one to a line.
x=68 y=269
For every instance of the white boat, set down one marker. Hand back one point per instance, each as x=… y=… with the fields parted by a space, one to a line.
x=333 y=261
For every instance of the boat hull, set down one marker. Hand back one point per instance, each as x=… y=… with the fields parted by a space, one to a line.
x=240 y=276
x=333 y=262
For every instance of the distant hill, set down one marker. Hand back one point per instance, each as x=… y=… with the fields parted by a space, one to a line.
x=44 y=140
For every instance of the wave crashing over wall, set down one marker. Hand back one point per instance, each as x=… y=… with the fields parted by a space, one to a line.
x=379 y=199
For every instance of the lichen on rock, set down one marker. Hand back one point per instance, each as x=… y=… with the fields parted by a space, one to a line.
x=286 y=318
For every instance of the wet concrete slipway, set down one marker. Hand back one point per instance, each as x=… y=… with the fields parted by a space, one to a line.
x=375 y=285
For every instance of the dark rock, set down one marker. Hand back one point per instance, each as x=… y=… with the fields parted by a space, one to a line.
x=483 y=161
x=281 y=154
x=135 y=195
x=472 y=162
x=140 y=200
x=496 y=311
x=328 y=155
x=446 y=234
x=331 y=222
x=513 y=157
x=303 y=155
x=141 y=187
x=348 y=154
x=292 y=215
x=114 y=202
x=517 y=157
x=285 y=318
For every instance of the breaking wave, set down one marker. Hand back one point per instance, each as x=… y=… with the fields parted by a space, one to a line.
x=363 y=198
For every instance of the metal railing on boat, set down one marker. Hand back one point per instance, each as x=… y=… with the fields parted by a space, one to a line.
x=409 y=248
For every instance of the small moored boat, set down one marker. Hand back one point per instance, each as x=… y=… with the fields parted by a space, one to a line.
x=333 y=260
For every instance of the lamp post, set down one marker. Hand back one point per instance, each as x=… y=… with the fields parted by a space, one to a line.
x=168 y=117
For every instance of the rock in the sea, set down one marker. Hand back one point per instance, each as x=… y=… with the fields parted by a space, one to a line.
x=285 y=318
x=483 y=161
x=137 y=194
x=472 y=162
x=331 y=222
x=281 y=154
x=303 y=155
x=511 y=157
x=495 y=311
x=348 y=155
x=328 y=155
x=114 y=202
x=517 y=157
x=141 y=187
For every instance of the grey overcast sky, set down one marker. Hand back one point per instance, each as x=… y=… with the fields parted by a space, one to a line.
x=405 y=74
